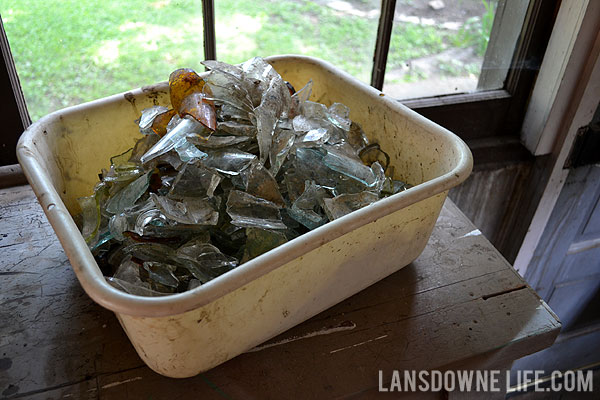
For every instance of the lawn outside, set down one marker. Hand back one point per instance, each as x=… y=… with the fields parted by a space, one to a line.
x=72 y=51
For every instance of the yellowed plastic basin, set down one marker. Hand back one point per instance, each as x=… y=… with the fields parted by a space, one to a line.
x=185 y=334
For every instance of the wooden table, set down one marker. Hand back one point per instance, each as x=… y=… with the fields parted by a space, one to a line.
x=460 y=305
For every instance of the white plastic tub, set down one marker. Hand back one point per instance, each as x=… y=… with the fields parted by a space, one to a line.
x=185 y=334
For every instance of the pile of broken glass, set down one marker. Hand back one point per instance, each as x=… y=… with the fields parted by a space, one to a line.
x=240 y=164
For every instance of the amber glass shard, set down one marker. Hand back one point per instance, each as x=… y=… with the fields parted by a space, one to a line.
x=188 y=97
x=160 y=122
x=203 y=110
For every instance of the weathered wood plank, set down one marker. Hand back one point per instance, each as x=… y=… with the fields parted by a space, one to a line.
x=460 y=300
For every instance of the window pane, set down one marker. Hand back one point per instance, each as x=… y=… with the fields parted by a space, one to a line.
x=71 y=51
x=340 y=32
x=442 y=51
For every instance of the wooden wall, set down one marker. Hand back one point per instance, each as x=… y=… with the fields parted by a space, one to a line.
x=491 y=198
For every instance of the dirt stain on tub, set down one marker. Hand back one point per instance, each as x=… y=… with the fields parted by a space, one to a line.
x=155 y=92
x=131 y=99
x=68 y=163
x=263 y=296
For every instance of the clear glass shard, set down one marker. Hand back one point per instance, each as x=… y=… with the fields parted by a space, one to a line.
x=236 y=128
x=357 y=137
x=307 y=209
x=253 y=212
x=230 y=112
x=122 y=170
x=171 y=158
x=228 y=161
x=141 y=147
x=315 y=111
x=90 y=213
x=379 y=173
x=134 y=289
x=207 y=258
x=294 y=183
x=314 y=137
x=218 y=142
x=218 y=66
x=194 y=283
x=195 y=180
x=309 y=166
x=228 y=84
x=260 y=183
x=161 y=276
x=344 y=204
x=173 y=139
x=349 y=166
x=280 y=148
x=258 y=74
x=147 y=118
x=143 y=251
x=392 y=186
x=104 y=237
x=148 y=218
x=195 y=247
x=299 y=98
x=303 y=124
x=345 y=185
x=129 y=271
x=188 y=152
x=127 y=196
x=227 y=91
x=117 y=225
x=266 y=115
x=121 y=159
x=339 y=115
x=173 y=122
x=275 y=101
x=216 y=263
x=187 y=210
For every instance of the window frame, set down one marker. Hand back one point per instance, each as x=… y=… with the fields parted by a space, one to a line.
x=13 y=112
x=494 y=116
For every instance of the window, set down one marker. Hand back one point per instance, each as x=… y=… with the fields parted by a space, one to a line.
x=93 y=49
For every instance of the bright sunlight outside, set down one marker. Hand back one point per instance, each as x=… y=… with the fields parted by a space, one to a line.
x=71 y=51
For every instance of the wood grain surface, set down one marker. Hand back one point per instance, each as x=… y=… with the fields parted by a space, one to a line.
x=460 y=304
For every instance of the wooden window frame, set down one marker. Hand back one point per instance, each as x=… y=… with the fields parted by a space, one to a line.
x=13 y=113
x=489 y=121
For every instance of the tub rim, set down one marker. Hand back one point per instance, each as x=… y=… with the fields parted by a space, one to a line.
x=94 y=283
